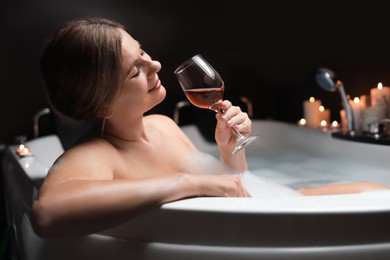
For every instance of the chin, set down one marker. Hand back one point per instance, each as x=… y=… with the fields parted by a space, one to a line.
x=162 y=93
x=160 y=96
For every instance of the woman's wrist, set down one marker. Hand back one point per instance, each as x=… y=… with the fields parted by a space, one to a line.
x=236 y=162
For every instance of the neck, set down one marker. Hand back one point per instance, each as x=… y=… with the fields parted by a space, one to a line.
x=109 y=134
x=129 y=133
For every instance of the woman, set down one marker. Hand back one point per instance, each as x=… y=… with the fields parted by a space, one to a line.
x=94 y=70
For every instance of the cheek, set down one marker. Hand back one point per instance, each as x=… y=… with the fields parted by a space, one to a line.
x=126 y=100
x=132 y=95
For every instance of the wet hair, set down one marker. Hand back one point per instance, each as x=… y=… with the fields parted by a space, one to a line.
x=81 y=68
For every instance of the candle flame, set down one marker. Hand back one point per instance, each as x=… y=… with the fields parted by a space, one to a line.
x=323 y=123
x=356 y=100
x=380 y=85
x=335 y=123
x=321 y=108
x=312 y=99
x=302 y=121
x=23 y=150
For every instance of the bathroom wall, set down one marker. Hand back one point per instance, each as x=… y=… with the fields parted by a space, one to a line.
x=268 y=51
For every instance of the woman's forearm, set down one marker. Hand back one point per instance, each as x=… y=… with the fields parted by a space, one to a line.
x=83 y=207
x=79 y=207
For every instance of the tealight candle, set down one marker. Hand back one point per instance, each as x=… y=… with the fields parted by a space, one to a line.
x=324 y=125
x=324 y=114
x=335 y=126
x=22 y=150
x=311 y=112
x=302 y=122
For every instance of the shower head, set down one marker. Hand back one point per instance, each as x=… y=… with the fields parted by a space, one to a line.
x=325 y=79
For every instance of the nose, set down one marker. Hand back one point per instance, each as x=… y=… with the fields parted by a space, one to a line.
x=153 y=67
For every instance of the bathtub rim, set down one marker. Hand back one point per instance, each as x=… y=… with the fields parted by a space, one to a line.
x=367 y=202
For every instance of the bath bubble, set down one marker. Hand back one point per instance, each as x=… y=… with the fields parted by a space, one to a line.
x=302 y=170
x=258 y=187
x=266 y=188
x=204 y=163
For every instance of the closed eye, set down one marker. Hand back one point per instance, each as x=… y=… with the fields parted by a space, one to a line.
x=142 y=53
x=137 y=73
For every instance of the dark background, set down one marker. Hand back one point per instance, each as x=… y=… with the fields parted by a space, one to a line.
x=267 y=50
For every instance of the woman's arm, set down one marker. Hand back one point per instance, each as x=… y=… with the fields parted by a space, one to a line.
x=80 y=195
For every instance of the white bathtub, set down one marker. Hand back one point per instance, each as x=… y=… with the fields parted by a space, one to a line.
x=355 y=226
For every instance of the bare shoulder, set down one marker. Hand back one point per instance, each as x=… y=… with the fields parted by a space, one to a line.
x=164 y=123
x=161 y=119
x=93 y=159
x=169 y=128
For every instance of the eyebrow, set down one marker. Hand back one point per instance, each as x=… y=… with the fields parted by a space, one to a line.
x=132 y=65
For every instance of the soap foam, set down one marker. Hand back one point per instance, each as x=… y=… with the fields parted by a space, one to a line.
x=266 y=188
x=257 y=186
x=301 y=170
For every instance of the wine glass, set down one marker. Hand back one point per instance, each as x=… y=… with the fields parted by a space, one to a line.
x=204 y=88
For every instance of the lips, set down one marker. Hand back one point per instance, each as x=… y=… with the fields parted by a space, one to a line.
x=156 y=85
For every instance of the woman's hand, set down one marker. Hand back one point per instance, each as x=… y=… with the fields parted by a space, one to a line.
x=220 y=186
x=226 y=140
x=232 y=118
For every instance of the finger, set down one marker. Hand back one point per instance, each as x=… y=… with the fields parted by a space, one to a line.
x=246 y=193
x=245 y=126
x=238 y=119
x=242 y=192
x=226 y=104
x=231 y=112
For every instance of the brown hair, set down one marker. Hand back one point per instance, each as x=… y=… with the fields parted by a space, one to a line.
x=81 y=67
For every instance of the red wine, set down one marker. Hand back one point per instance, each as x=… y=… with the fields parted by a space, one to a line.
x=204 y=97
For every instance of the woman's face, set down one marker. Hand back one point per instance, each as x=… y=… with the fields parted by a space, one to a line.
x=142 y=89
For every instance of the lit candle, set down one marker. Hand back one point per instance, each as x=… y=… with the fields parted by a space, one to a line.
x=302 y=122
x=380 y=96
x=324 y=125
x=324 y=114
x=311 y=112
x=356 y=113
x=335 y=126
x=23 y=150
